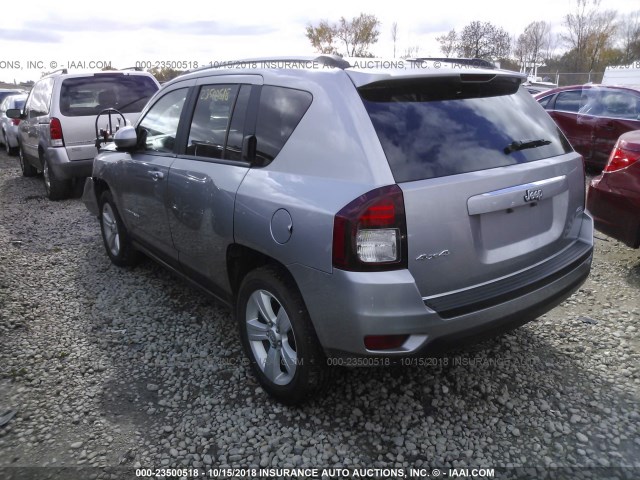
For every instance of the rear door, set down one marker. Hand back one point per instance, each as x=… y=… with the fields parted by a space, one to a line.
x=37 y=121
x=620 y=114
x=205 y=177
x=575 y=122
x=490 y=184
x=81 y=99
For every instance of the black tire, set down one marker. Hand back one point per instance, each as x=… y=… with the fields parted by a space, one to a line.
x=301 y=367
x=114 y=234
x=55 y=188
x=26 y=168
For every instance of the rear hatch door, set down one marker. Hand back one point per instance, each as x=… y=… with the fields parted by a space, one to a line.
x=491 y=186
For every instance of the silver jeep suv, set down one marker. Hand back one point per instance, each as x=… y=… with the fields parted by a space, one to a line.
x=350 y=215
x=57 y=134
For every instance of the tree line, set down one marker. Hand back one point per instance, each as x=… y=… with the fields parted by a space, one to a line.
x=590 y=39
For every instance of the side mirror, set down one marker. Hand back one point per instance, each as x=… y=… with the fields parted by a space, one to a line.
x=126 y=138
x=15 y=113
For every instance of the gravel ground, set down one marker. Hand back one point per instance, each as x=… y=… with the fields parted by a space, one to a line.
x=113 y=369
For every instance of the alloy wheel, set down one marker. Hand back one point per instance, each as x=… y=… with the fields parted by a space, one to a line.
x=110 y=230
x=271 y=337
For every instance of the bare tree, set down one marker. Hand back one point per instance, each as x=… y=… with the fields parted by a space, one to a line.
x=448 y=42
x=629 y=31
x=411 y=52
x=394 y=36
x=588 y=31
x=603 y=30
x=530 y=46
x=322 y=37
x=357 y=35
x=550 y=44
x=483 y=40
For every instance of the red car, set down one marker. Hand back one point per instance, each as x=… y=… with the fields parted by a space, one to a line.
x=614 y=196
x=592 y=117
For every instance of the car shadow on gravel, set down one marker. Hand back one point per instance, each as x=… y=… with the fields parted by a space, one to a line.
x=633 y=276
x=532 y=398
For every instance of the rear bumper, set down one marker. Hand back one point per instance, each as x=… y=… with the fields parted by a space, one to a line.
x=11 y=136
x=63 y=168
x=347 y=306
x=614 y=213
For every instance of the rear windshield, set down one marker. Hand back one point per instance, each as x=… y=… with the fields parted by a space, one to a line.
x=90 y=95
x=436 y=127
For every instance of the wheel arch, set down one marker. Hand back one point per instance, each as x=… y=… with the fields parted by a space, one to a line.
x=242 y=259
x=99 y=187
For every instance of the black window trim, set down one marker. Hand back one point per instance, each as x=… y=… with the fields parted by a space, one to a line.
x=182 y=137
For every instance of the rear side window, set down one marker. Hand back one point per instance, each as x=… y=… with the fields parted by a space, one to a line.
x=445 y=126
x=90 y=95
x=280 y=111
x=544 y=102
x=569 y=101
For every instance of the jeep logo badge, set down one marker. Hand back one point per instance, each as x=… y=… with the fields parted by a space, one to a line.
x=532 y=195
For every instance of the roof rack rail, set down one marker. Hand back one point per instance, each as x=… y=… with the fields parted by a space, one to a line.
x=60 y=71
x=334 y=61
x=473 y=62
x=135 y=69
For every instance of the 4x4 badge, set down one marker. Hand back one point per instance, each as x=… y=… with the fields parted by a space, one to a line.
x=532 y=195
x=431 y=256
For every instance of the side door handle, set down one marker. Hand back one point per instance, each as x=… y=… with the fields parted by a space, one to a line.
x=156 y=174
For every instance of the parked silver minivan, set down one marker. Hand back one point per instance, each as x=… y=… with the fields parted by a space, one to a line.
x=350 y=215
x=57 y=134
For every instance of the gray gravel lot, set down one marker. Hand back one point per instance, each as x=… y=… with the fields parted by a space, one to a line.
x=130 y=368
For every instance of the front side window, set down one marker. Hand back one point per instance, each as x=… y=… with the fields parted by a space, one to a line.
x=621 y=105
x=210 y=120
x=158 y=128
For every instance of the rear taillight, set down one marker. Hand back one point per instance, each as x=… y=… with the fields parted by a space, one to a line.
x=15 y=121
x=621 y=158
x=55 y=130
x=370 y=233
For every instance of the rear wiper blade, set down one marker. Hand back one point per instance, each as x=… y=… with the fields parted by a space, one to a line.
x=521 y=145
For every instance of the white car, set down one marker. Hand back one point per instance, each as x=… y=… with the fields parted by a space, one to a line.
x=9 y=126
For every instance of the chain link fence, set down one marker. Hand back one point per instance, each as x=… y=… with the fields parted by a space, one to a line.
x=571 y=78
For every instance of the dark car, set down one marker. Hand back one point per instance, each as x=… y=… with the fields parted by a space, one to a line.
x=614 y=196
x=593 y=117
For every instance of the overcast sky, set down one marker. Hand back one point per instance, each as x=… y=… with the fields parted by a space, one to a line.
x=124 y=32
